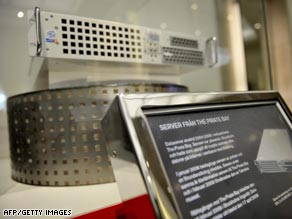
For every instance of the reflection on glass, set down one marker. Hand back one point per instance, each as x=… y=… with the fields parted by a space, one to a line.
x=2 y=101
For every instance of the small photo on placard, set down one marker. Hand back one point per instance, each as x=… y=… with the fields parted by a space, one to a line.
x=275 y=152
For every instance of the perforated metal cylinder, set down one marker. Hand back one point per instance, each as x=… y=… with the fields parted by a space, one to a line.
x=55 y=135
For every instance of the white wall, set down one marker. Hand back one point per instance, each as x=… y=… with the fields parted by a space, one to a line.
x=18 y=71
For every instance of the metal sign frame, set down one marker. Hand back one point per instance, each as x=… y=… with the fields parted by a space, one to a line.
x=135 y=137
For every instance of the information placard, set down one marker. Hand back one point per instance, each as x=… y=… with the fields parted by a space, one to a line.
x=231 y=162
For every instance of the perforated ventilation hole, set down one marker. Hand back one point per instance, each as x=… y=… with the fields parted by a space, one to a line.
x=182 y=42
x=81 y=37
x=182 y=56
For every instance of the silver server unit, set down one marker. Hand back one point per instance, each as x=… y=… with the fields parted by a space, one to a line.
x=55 y=35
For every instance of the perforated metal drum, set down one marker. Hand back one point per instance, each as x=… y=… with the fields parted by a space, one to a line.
x=55 y=135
